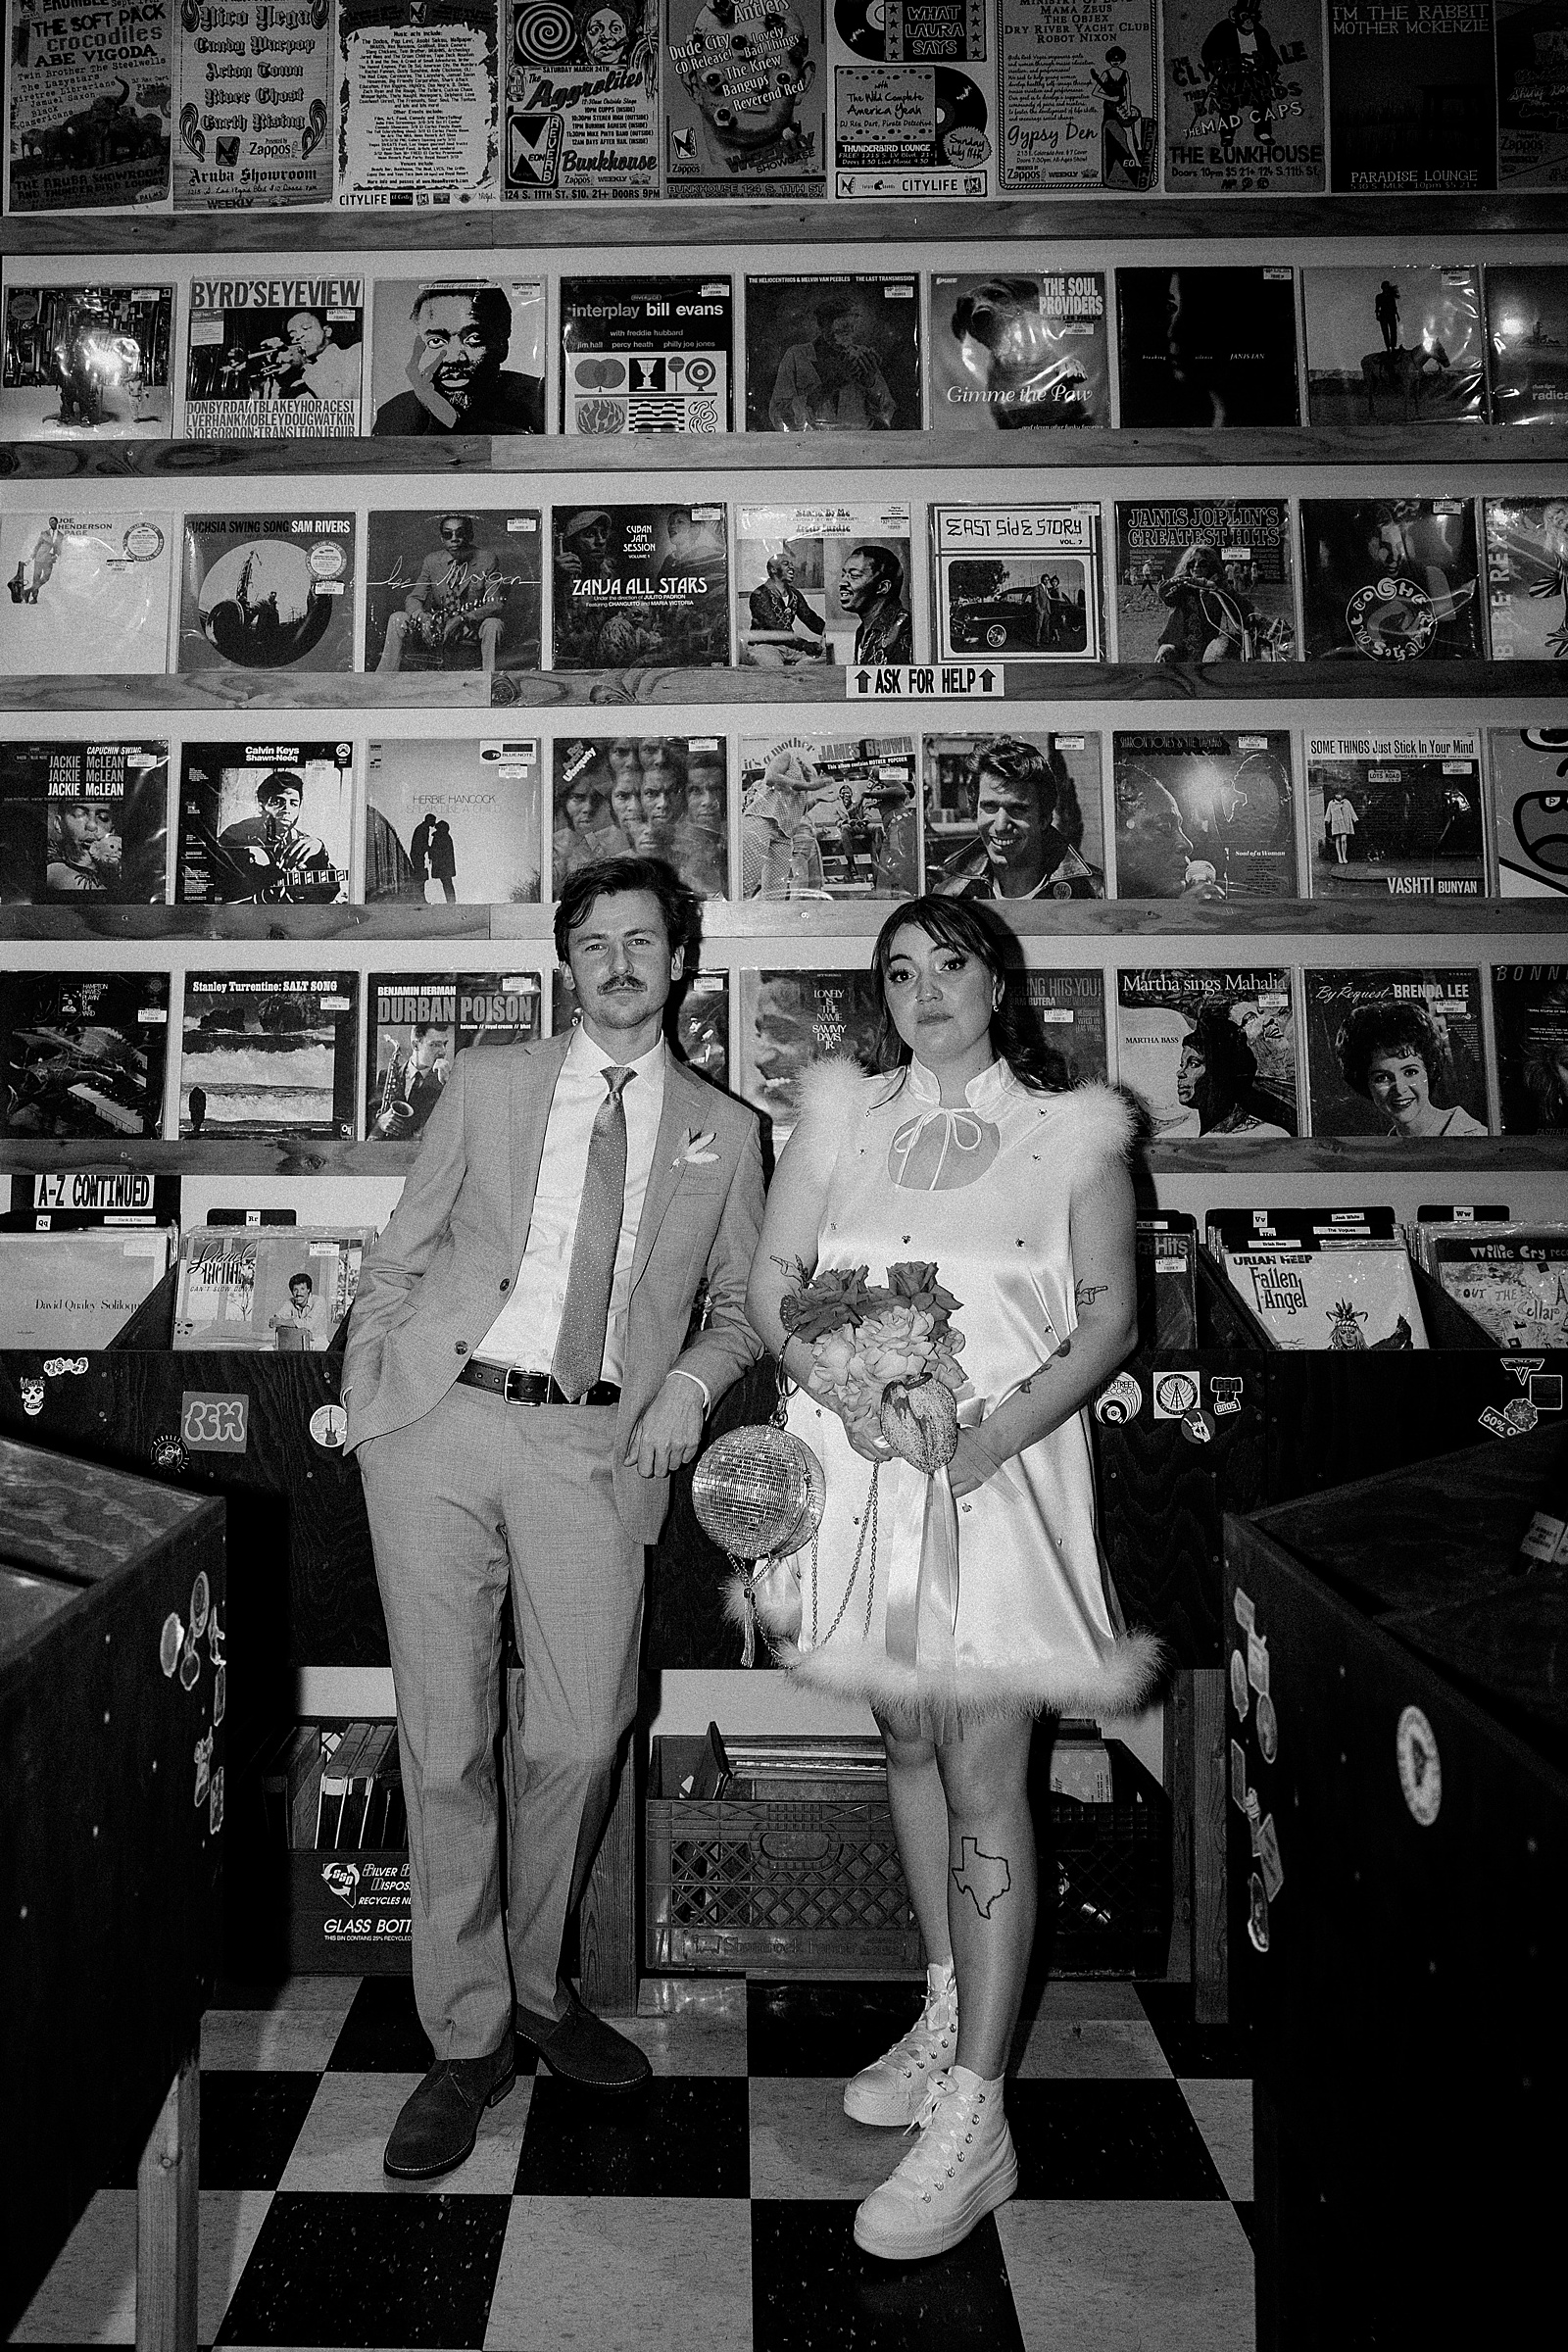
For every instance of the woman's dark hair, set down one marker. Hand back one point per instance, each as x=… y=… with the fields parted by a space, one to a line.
x=1229 y=1065
x=604 y=877
x=1383 y=1028
x=961 y=923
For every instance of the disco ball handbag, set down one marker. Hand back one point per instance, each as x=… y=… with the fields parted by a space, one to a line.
x=759 y=1493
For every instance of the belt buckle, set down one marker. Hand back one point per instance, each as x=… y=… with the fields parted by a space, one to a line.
x=508 y=1395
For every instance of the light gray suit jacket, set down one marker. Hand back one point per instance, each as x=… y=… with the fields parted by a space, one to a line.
x=434 y=1284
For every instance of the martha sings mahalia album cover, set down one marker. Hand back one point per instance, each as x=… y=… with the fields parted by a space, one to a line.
x=1210 y=1052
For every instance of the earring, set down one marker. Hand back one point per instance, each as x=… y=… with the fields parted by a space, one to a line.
x=996 y=994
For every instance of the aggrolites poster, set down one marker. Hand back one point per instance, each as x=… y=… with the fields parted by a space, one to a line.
x=1244 y=96
x=1078 y=105
x=745 y=98
x=582 y=99
x=274 y=359
x=89 y=106
x=254 y=125
x=416 y=120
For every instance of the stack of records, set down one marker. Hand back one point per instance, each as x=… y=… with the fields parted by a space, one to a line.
x=1314 y=1278
x=283 y=1289
x=1166 y=1268
x=1510 y=1279
x=75 y=1283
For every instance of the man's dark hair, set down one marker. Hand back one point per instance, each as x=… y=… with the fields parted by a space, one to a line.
x=606 y=877
x=492 y=312
x=304 y=1278
x=1023 y=767
x=277 y=780
x=883 y=561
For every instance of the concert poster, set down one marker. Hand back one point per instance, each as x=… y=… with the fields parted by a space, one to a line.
x=639 y=584
x=699 y=1031
x=1204 y=580
x=87 y=363
x=453 y=823
x=581 y=99
x=825 y=816
x=1395 y=1054
x=1244 y=97
x=646 y=355
x=1395 y=816
x=1394 y=343
x=790 y=1019
x=1066 y=1011
x=1532 y=93
x=1530 y=1018
x=269 y=1054
x=745 y=99
x=1527 y=327
x=84 y=823
x=454 y=591
x=1530 y=810
x=416 y=1025
x=265 y=824
x=1014 y=814
x=89 y=92
x=86 y=592
x=1078 y=101
x=274 y=359
x=1210 y=1051
x=254 y=125
x=1527 y=577
x=418 y=108
x=914 y=98
x=457 y=355
x=84 y=1054
x=836 y=355
x=1018 y=581
x=823 y=583
x=1010 y=351
x=1412 y=89
x=1207 y=347
x=1234 y=803
x=643 y=795
x=1393 y=579
x=265 y=592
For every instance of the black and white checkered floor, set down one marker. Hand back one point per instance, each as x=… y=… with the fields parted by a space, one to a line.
x=711 y=2212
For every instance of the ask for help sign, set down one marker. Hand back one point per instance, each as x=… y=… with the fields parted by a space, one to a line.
x=970 y=681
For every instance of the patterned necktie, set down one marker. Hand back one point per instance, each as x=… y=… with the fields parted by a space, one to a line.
x=580 y=1343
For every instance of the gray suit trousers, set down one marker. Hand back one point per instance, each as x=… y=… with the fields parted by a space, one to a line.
x=477 y=1495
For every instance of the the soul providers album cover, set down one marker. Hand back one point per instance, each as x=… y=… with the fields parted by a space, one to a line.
x=1205 y=813
x=830 y=816
x=822 y=584
x=266 y=592
x=646 y=355
x=1395 y=1054
x=269 y=1054
x=1205 y=579
x=83 y=1053
x=643 y=795
x=1011 y=813
x=1066 y=1012
x=265 y=824
x=1527 y=577
x=1017 y=580
x=1208 y=346
x=1394 y=343
x=1210 y=1052
x=1395 y=816
x=1527 y=327
x=1530 y=809
x=417 y=1023
x=452 y=822
x=453 y=589
x=87 y=363
x=1244 y=97
x=1530 y=1018
x=745 y=96
x=457 y=355
x=88 y=591
x=638 y=584
x=274 y=359
x=698 y=1029
x=834 y=354
x=1411 y=98
x=1079 y=106
x=84 y=821
x=1010 y=351
x=789 y=1020
x=1390 y=580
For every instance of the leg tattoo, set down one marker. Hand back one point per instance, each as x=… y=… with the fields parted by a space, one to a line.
x=984 y=1878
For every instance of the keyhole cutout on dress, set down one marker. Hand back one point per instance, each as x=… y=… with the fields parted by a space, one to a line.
x=941 y=1150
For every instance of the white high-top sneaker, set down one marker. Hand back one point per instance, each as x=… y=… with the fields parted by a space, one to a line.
x=962 y=2166
x=891 y=2090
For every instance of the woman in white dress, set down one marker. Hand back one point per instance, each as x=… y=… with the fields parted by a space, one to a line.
x=963 y=1158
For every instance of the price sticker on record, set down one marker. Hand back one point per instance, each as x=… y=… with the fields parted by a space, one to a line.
x=215 y=1420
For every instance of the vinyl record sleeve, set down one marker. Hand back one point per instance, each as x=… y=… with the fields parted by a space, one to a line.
x=1532 y=93
x=417 y=102
x=1202 y=580
x=453 y=823
x=1018 y=581
x=273 y=359
x=1079 y=106
x=453 y=589
x=646 y=355
x=275 y=1289
x=643 y=795
x=581 y=101
x=745 y=99
x=1527 y=577
x=1165 y=1271
x=417 y=1023
x=265 y=824
x=457 y=355
x=822 y=584
x=791 y=1018
x=1527 y=327
x=254 y=98
x=1210 y=1053
x=269 y=1054
x=1067 y=1013
x=1348 y=1297
x=76 y=1290
x=84 y=1053
x=87 y=363
x=262 y=592
x=832 y=817
x=1208 y=346
x=87 y=590
x=1530 y=809
x=1393 y=579
x=1010 y=351
x=833 y=354
x=700 y=1025
x=89 y=92
x=1394 y=343
x=1395 y=816
x=1244 y=97
x=1530 y=1016
x=1235 y=801
x=1411 y=98
x=1513 y=1279
x=84 y=823
x=639 y=584
x=1412 y=1037
x=1013 y=814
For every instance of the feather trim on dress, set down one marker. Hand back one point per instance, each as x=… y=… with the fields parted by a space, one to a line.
x=1097 y=1120
x=1122 y=1682
x=836 y=1090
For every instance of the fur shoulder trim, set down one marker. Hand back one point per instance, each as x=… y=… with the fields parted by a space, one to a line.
x=835 y=1091
x=1100 y=1121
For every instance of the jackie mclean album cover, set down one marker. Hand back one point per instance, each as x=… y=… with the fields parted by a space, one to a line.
x=83 y=820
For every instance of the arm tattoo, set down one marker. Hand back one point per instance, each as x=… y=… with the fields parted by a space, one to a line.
x=1086 y=1293
x=984 y=1878
x=783 y=1266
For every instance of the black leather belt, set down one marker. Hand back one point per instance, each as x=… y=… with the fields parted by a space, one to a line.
x=532 y=1388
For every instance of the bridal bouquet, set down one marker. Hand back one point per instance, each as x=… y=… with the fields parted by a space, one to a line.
x=886 y=1355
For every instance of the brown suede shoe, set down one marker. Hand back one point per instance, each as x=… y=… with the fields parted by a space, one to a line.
x=440 y=2121
x=582 y=2049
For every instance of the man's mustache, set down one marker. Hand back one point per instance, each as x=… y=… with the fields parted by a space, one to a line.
x=610 y=986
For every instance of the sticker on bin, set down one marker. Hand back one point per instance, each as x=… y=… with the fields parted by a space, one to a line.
x=214 y=1421
x=1241 y=1696
x=1268 y=1858
x=170 y=1642
x=1225 y=1392
x=1176 y=1395
x=1416 y=1747
x=1256 y=1914
x=1268 y=1729
x=204 y=1768
x=1257 y=1661
x=1242 y=1609
x=1238 y=1776
x=1121 y=1401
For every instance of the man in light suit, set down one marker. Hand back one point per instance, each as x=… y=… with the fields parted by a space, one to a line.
x=520 y=1380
